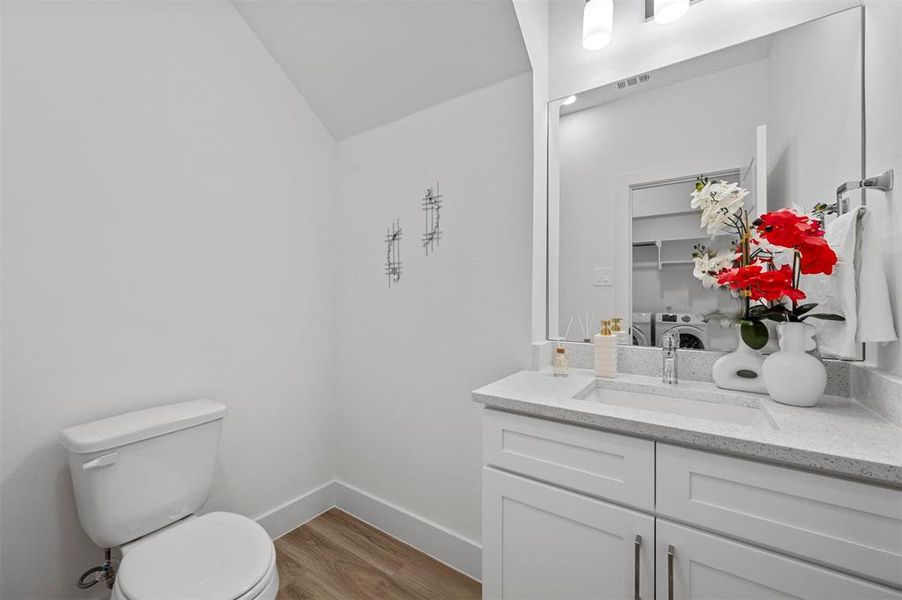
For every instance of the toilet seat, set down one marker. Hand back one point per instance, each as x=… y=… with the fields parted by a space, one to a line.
x=219 y=556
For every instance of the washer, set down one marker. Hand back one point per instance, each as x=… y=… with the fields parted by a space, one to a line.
x=691 y=329
x=643 y=329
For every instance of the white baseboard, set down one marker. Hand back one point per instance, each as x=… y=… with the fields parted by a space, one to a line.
x=441 y=544
x=295 y=513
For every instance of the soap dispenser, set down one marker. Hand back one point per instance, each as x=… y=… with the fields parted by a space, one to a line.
x=605 y=351
x=617 y=330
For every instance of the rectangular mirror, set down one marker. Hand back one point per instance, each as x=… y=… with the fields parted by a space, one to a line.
x=781 y=116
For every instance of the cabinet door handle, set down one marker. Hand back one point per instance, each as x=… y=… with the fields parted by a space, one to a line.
x=637 y=545
x=670 y=553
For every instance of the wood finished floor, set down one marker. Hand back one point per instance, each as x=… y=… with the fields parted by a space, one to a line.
x=336 y=556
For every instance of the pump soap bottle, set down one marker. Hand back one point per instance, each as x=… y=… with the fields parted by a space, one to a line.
x=622 y=336
x=605 y=351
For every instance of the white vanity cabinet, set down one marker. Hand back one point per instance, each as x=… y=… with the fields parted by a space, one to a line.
x=573 y=513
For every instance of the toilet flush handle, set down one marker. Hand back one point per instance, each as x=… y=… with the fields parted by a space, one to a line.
x=101 y=461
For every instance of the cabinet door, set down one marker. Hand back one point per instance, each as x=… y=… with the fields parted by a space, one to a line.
x=541 y=542
x=709 y=567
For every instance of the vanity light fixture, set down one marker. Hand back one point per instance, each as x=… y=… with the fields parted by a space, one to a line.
x=568 y=101
x=668 y=11
x=598 y=24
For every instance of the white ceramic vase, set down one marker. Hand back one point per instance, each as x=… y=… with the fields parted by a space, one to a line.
x=742 y=369
x=793 y=376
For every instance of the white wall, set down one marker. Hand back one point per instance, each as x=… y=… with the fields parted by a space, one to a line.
x=639 y=46
x=645 y=132
x=167 y=202
x=883 y=52
x=814 y=111
x=410 y=355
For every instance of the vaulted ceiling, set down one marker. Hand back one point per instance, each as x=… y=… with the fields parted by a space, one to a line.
x=364 y=63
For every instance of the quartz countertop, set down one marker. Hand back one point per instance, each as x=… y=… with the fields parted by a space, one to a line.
x=839 y=436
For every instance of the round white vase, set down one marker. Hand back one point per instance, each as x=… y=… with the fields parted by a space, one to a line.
x=741 y=369
x=792 y=376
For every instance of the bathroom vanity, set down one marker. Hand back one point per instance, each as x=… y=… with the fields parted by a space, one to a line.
x=627 y=488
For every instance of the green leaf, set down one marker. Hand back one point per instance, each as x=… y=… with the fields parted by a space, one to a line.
x=754 y=333
x=825 y=317
x=803 y=308
x=762 y=311
x=774 y=316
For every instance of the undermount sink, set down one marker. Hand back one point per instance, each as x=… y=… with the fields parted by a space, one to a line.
x=711 y=411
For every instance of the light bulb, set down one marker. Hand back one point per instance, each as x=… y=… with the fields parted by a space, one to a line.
x=668 y=11
x=568 y=101
x=598 y=24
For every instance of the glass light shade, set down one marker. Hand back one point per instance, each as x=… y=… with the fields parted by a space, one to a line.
x=598 y=24
x=668 y=11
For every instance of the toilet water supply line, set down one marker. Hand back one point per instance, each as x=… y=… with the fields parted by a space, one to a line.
x=105 y=571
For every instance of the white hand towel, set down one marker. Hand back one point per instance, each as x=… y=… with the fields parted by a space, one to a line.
x=837 y=293
x=857 y=289
x=875 y=313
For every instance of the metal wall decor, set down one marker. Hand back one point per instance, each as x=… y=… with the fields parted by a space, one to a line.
x=431 y=204
x=432 y=208
x=393 y=252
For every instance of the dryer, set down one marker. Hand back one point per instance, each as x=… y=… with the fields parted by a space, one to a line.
x=689 y=328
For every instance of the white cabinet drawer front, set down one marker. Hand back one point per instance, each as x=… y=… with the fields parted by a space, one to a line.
x=709 y=567
x=544 y=543
x=607 y=465
x=853 y=526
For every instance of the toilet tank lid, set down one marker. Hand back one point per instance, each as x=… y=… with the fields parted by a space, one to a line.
x=131 y=427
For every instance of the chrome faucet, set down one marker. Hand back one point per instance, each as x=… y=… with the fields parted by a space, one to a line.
x=669 y=359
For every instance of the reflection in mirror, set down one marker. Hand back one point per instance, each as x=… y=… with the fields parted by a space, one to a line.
x=665 y=233
x=780 y=116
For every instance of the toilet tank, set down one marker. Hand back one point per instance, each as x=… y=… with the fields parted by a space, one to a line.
x=137 y=472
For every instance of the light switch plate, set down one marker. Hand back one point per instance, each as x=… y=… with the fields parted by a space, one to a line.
x=603 y=276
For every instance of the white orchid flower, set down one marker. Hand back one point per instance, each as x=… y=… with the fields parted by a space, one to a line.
x=720 y=202
x=709 y=264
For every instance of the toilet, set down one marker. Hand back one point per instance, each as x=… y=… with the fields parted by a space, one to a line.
x=139 y=478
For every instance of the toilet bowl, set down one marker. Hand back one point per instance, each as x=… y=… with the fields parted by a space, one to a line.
x=219 y=556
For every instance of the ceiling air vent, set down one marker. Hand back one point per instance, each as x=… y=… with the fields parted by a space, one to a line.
x=632 y=81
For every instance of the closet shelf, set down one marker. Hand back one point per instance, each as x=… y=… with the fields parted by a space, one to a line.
x=677 y=213
x=703 y=236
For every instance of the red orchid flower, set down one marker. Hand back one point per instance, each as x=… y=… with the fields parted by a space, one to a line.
x=816 y=256
x=761 y=284
x=787 y=229
x=801 y=233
